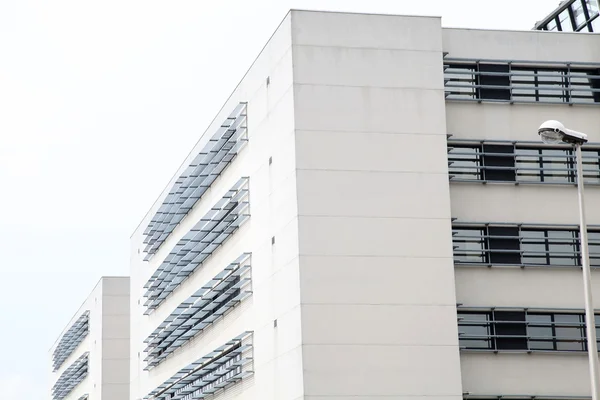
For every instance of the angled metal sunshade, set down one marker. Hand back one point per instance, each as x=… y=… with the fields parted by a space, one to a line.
x=70 y=340
x=222 y=367
x=221 y=294
x=191 y=185
x=71 y=378
x=84 y=397
x=219 y=223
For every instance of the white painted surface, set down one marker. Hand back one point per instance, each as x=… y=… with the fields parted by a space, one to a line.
x=107 y=343
x=360 y=276
x=373 y=199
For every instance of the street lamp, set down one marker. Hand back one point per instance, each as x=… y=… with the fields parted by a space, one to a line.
x=553 y=132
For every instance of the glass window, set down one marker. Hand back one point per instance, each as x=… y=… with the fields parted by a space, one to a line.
x=565 y=21
x=499 y=162
x=474 y=330
x=540 y=331
x=459 y=81
x=596 y=24
x=597 y=321
x=504 y=245
x=562 y=248
x=556 y=165
x=510 y=329
x=464 y=162
x=592 y=7
x=533 y=244
x=551 y=25
x=528 y=164
x=494 y=81
x=591 y=166
x=578 y=13
x=469 y=245
x=594 y=248
x=569 y=332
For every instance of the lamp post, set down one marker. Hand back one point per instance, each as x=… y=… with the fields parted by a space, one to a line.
x=553 y=132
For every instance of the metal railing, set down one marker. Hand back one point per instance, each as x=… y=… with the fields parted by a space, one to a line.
x=521 y=82
x=522 y=330
x=519 y=163
x=522 y=245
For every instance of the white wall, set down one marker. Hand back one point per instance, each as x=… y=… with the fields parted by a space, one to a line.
x=376 y=272
x=525 y=45
x=521 y=374
x=107 y=342
x=525 y=374
x=275 y=278
x=115 y=338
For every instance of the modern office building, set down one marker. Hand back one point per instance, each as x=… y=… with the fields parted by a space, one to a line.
x=90 y=359
x=372 y=216
x=572 y=16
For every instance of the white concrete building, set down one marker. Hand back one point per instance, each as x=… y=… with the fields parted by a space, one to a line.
x=90 y=358
x=372 y=216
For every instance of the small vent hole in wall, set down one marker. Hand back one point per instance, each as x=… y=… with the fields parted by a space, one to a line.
x=275 y=323
x=268 y=80
x=273 y=240
x=270 y=160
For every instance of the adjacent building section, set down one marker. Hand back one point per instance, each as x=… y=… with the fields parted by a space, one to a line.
x=90 y=359
x=372 y=216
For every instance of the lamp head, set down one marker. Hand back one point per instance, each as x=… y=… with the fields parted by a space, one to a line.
x=554 y=132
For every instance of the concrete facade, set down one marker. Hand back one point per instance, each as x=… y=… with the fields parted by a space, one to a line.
x=354 y=287
x=106 y=344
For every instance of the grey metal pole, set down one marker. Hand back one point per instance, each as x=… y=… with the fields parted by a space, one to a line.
x=590 y=321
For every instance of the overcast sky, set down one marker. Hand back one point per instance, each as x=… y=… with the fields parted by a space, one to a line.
x=99 y=104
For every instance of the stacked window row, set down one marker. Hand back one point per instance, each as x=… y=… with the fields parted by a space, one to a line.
x=521 y=82
x=520 y=163
x=528 y=330
x=199 y=175
x=223 y=367
x=573 y=16
x=213 y=229
x=522 y=245
x=70 y=340
x=72 y=377
x=216 y=298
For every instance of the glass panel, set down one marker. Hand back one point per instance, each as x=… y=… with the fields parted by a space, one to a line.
x=592 y=6
x=591 y=166
x=474 y=331
x=565 y=21
x=469 y=245
x=551 y=26
x=528 y=164
x=597 y=321
x=578 y=13
x=459 y=81
x=569 y=332
x=562 y=247
x=463 y=162
x=533 y=243
x=594 y=248
x=555 y=165
x=540 y=332
x=510 y=329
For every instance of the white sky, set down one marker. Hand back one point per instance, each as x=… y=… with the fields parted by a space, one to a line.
x=99 y=104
